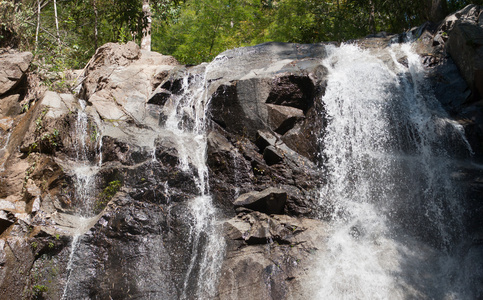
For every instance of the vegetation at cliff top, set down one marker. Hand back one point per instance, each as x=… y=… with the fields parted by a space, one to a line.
x=65 y=33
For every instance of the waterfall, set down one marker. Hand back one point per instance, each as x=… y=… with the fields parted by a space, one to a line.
x=395 y=216
x=186 y=119
x=85 y=169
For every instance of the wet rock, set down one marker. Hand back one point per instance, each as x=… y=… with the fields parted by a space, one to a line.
x=270 y=201
x=464 y=46
x=294 y=91
x=456 y=79
x=303 y=140
x=449 y=87
x=282 y=118
x=159 y=97
x=121 y=248
x=272 y=156
x=269 y=253
x=266 y=138
x=247 y=79
x=230 y=172
x=240 y=107
x=17 y=261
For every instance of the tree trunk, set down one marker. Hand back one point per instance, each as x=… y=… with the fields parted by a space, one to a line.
x=438 y=9
x=56 y=22
x=146 y=39
x=38 y=26
x=372 y=17
x=94 y=4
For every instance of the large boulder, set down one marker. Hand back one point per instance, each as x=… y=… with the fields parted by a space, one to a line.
x=13 y=67
x=457 y=79
x=269 y=201
x=120 y=78
x=268 y=257
x=13 y=81
x=465 y=41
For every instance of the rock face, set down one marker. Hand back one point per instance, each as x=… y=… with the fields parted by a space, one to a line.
x=453 y=53
x=269 y=201
x=12 y=69
x=98 y=197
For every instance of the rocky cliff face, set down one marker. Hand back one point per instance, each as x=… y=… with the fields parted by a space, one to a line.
x=97 y=189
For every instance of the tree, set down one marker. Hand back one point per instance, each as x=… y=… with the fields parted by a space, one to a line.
x=146 y=39
x=66 y=33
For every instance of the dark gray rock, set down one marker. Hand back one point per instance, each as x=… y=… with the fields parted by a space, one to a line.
x=456 y=80
x=282 y=118
x=240 y=107
x=294 y=91
x=269 y=201
x=272 y=156
x=449 y=87
x=464 y=46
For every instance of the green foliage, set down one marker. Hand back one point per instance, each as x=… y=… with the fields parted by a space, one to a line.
x=106 y=195
x=204 y=28
x=38 y=289
x=39 y=120
x=52 y=138
x=94 y=132
x=195 y=30
x=15 y=17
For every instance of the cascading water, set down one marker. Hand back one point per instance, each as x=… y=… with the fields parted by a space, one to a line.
x=186 y=119
x=395 y=217
x=85 y=169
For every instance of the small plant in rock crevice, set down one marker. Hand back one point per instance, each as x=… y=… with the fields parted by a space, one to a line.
x=107 y=194
x=38 y=290
x=52 y=138
x=39 y=120
x=28 y=172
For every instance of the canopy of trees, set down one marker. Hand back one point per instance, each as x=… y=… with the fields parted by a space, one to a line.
x=65 y=33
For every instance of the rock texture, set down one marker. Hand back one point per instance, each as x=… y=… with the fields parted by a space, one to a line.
x=12 y=69
x=130 y=232
x=453 y=54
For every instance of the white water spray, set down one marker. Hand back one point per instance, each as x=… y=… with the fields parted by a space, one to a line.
x=395 y=215
x=85 y=169
x=186 y=119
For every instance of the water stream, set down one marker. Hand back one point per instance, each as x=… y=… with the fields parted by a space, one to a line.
x=183 y=127
x=395 y=225
x=186 y=119
x=85 y=169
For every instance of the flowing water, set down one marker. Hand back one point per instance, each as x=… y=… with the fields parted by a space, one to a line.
x=395 y=229
x=183 y=127
x=395 y=225
x=86 y=166
x=85 y=169
x=186 y=119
